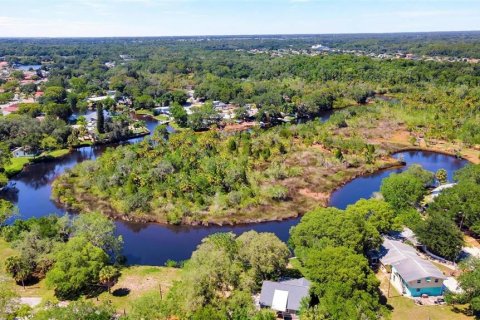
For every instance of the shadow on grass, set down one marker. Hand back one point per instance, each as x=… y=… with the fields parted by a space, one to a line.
x=121 y=292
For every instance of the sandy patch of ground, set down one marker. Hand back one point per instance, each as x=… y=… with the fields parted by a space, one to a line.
x=240 y=126
x=319 y=196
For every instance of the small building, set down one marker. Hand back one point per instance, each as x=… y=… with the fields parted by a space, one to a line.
x=10 y=109
x=285 y=296
x=161 y=110
x=219 y=104
x=410 y=274
x=438 y=190
x=20 y=152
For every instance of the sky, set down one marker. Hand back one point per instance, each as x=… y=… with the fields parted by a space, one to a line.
x=111 y=18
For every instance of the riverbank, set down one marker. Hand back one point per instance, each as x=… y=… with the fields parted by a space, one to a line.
x=403 y=140
x=17 y=164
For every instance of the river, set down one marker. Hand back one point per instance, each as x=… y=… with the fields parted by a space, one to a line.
x=153 y=244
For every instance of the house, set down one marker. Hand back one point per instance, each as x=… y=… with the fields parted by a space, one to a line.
x=161 y=110
x=10 y=109
x=20 y=152
x=436 y=192
x=285 y=296
x=219 y=104
x=410 y=274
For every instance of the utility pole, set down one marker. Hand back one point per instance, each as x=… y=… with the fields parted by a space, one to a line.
x=160 y=287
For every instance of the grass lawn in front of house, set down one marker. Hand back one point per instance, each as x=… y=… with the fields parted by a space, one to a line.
x=405 y=308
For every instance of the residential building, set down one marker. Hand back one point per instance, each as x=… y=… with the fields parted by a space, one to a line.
x=410 y=274
x=285 y=296
x=21 y=152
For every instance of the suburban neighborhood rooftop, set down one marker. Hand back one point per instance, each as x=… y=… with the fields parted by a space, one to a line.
x=407 y=261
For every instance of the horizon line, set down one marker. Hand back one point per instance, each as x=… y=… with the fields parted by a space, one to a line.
x=241 y=35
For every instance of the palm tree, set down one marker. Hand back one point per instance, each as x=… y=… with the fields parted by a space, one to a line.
x=108 y=275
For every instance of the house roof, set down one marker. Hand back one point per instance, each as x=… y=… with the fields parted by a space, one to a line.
x=438 y=190
x=274 y=293
x=11 y=108
x=407 y=262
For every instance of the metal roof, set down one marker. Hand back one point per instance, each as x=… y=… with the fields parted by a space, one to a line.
x=407 y=262
x=297 y=289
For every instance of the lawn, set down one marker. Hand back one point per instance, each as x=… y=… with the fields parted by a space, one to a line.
x=405 y=308
x=56 y=153
x=145 y=112
x=136 y=281
x=133 y=282
x=16 y=165
x=35 y=290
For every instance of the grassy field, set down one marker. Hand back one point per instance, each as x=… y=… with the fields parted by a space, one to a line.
x=404 y=308
x=133 y=282
x=145 y=112
x=136 y=281
x=17 y=164
x=56 y=153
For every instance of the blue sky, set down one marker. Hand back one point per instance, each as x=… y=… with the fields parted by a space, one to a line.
x=58 y=18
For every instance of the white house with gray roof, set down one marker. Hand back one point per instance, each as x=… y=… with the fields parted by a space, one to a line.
x=284 y=296
x=410 y=274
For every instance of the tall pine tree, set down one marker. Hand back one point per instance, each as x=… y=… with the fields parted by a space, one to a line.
x=100 y=119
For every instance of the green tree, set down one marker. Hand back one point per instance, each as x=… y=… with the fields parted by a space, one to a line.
x=55 y=94
x=470 y=173
x=343 y=283
x=9 y=306
x=18 y=268
x=376 y=212
x=108 y=275
x=5 y=155
x=418 y=172
x=456 y=203
x=203 y=117
x=32 y=109
x=7 y=211
x=55 y=110
x=100 y=119
x=49 y=143
x=77 y=268
x=78 y=310
x=99 y=231
x=143 y=102
x=402 y=190
x=324 y=227
x=442 y=176
x=469 y=281
x=441 y=236
x=264 y=253
x=179 y=114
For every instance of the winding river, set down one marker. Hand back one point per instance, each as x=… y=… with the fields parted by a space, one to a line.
x=153 y=244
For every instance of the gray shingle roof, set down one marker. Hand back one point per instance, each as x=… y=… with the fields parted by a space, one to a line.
x=406 y=260
x=297 y=289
